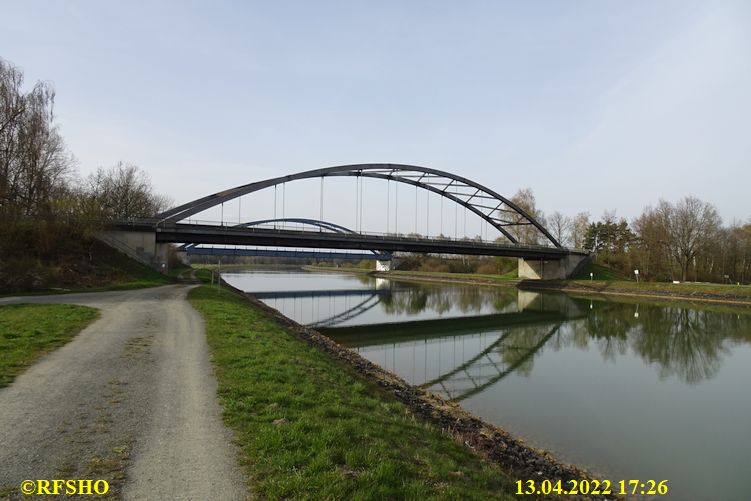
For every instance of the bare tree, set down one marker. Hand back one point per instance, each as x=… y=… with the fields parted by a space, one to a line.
x=34 y=162
x=693 y=226
x=527 y=233
x=578 y=229
x=560 y=227
x=123 y=191
x=680 y=233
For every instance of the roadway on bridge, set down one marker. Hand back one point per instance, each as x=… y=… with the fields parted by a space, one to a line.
x=135 y=388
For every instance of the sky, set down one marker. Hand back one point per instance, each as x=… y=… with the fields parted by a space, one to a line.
x=593 y=105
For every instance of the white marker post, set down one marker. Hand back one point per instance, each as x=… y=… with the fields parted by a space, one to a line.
x=591 y=276
x=636 y=272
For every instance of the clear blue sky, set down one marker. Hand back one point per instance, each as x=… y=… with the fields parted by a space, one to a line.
x=594 y=105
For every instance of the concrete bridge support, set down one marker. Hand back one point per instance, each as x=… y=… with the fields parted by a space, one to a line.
x=139 y=245
x=551 y=269
x=383 y=265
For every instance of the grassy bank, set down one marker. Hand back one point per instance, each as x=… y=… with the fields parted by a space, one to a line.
x=311 y=428
x=682 y=292
x=604 y=281
x=29 y=331
x=101 y=269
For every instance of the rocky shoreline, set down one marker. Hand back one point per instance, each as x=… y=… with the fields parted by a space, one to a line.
x=515 y=457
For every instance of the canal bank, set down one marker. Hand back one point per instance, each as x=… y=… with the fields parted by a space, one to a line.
x=684 y=292
x=334 y=424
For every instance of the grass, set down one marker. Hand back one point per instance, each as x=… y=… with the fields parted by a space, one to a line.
x=607 y=281
x=599 y=272
x=141 y=283
x=28 y=331
x=127 y=273
x=175 y=271
x=684 y=289
x=310 y=428
x=204 y=275
x=108 y=270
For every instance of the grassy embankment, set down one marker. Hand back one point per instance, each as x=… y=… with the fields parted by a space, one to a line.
x=103 y=269
x=603 y=281
x=606 y=281
x=29 y=331
x=311 y=428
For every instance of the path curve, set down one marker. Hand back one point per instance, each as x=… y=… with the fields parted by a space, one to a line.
x=131 y=399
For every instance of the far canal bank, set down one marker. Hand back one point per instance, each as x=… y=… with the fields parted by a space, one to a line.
x=625 y=389
x=683 y=292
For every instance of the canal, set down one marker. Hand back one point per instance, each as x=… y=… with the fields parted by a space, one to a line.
x=628 y=390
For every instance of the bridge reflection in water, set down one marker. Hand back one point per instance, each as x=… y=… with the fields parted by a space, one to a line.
x=490 y=335
x=462 y=356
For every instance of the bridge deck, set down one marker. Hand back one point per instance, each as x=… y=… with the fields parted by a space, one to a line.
x=229 y=235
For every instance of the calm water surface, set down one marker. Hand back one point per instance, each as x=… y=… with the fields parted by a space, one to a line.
x=630 y=390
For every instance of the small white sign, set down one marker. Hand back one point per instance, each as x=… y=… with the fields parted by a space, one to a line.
x=636 y=272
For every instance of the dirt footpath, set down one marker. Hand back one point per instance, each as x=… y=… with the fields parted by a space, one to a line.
x=131 y=400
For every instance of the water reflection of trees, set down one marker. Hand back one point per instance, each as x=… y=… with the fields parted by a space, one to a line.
x=686 y=343
x=414 y=300
x=682 y=342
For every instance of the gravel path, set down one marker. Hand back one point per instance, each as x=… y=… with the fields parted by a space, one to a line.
x=131 y=399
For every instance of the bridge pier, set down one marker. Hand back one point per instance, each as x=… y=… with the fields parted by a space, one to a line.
x=550 y=269
x=383 y=265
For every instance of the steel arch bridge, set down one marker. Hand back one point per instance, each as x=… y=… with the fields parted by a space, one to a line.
x=498 y=211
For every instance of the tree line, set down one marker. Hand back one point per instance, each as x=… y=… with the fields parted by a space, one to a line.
x=49 y=213
x=684 y=240
x=38 y=176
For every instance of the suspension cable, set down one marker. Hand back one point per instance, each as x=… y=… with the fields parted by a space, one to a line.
x=396 y=208
x=361 y=204
x=357 y=203
x=388 y=199
x=441 y=214
x=361 y=192
x=415 y=209
x=427 y=214
x=456 y=223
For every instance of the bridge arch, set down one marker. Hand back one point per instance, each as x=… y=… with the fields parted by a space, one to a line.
x=497 y=210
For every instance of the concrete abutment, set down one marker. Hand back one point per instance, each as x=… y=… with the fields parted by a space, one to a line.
x=551 y=269
x=139 y=245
